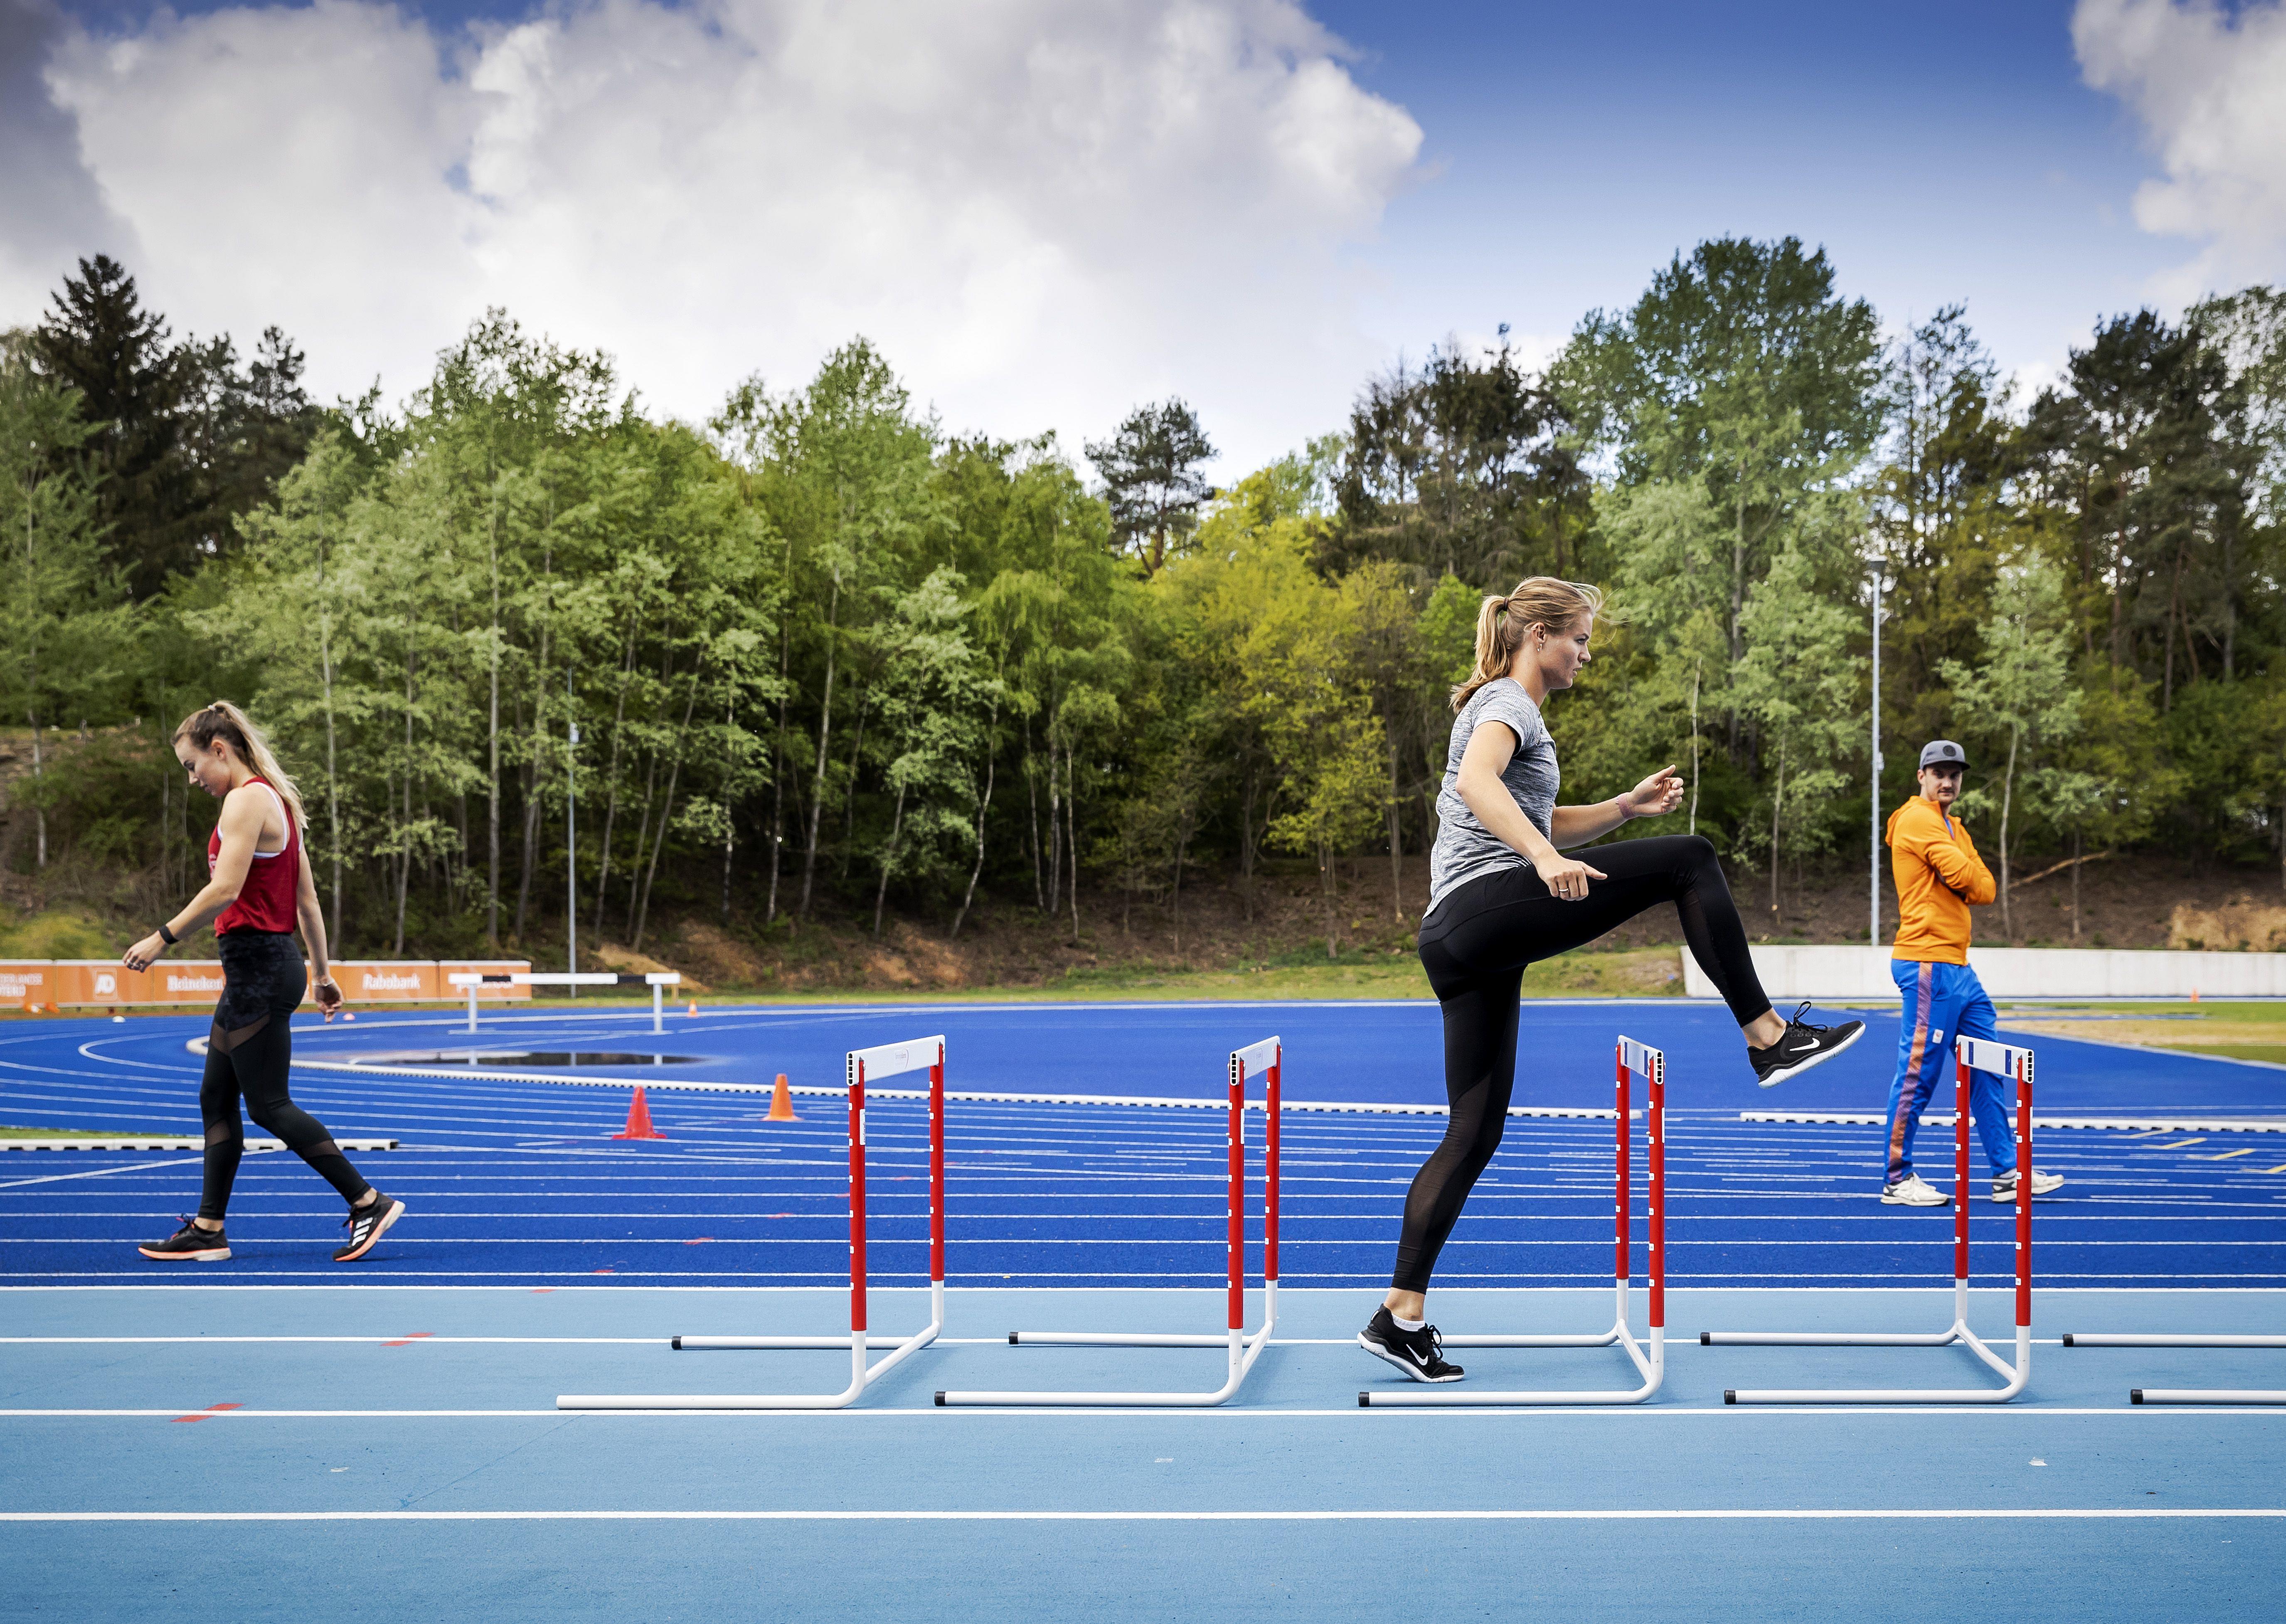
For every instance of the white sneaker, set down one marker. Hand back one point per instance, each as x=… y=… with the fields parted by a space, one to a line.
x=2004 y=1187
x=1911 y=1191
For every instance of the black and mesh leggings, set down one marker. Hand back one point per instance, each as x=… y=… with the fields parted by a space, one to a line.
x=249 y=1053
x=1475 y=945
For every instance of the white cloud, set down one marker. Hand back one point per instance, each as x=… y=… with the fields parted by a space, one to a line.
x=1043 y=210
x=2210 y=85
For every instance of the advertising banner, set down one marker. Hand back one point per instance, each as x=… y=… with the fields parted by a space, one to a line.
x=105 y=983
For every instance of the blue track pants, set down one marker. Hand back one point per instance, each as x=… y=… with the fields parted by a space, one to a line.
x=1943 y=1001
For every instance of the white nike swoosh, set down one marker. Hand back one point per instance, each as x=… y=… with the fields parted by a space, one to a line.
x=1798 y=1048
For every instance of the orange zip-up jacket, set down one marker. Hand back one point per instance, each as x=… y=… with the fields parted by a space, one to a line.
x=1939 y=879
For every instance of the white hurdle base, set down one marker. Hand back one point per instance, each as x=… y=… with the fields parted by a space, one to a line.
x=1241 y=1347
x=1969 y=1054
x=884 y=1060
x=1648 y=1355
x=1244 y=1347
x=862 y=1375
x=1959 y=1336
x=2184 y=1395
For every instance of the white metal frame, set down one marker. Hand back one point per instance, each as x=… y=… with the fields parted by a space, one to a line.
x=657 y=980
x=1649 y=1355
x=885 y=1061
x=1969 y=1054
x=2184 y=1395
x=1241 y=1348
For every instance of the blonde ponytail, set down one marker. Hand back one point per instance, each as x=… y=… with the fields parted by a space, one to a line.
x=1503 y=624
x=223 y=720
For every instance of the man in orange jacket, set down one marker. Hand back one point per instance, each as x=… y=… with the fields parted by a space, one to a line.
x=1940 y=877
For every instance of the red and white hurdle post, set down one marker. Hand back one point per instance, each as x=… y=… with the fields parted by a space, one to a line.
x=1649 y=1355
x=885 y=1060
x=1969 y=1054
x=1263 y=1058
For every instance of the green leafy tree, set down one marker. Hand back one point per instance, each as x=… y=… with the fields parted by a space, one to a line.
x=2022 y=691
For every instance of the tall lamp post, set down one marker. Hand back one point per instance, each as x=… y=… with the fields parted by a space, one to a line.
x=1874 y=864
x=571 y=824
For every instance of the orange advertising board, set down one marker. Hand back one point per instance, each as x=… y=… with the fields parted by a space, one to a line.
x=105 y=983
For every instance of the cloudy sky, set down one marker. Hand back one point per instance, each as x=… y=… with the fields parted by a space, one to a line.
x=1048 y=210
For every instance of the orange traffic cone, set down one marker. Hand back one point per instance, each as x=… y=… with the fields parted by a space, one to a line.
x=781 y=1103
x=694 y=1006
x=2195 y=995
x=639 y=1120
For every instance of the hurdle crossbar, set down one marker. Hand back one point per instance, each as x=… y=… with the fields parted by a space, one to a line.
x=657 y=980
x=885 y=1061
x=1241 y=1348
x=1648 y=1355
x=1969 y=1054
x=2184 y=1395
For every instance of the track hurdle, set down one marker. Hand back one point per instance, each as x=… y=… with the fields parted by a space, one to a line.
x=657 y=980
x=1969 y=1054
x=1648 y=1355
x=864 y=1065
x=1241 y=1349
x=2184 y=1395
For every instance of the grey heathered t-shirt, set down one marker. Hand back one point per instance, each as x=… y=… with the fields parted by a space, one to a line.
x=1465 y=849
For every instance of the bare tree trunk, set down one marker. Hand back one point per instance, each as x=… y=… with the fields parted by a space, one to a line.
x=1055 y=829
x=667 y=814
x=492 y=788
x=1694 y=747
x=1071 y=828
x=856 y=750
x=612 y=805
x=889 y=861
x=404 y=862
x=39 y=805
x=2008 y=793
x=1777 y=805
x=1396 y=843
x=1032 y=790
x=2076 y=868
x=824 y=736
x=983 y=804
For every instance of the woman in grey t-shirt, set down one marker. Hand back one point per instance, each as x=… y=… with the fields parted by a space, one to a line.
x=1503 y=896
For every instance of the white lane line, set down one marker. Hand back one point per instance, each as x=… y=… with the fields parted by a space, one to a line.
x=107 y=1173
x=1898 y=1411
x=1469 y=1515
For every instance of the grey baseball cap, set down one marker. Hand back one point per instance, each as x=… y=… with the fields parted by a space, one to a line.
x=1943 y=753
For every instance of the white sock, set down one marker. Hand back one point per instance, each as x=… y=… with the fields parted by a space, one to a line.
x=1408 y=1325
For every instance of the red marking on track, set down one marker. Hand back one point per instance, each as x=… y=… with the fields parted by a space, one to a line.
x=603 y=1271
x=541 y=1290
x=409 y=1341
x=210 y=1412
x=781 y=1215
x=698 y=1241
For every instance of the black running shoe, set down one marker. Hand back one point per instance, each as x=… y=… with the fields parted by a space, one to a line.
x=1420 y=1355
x=367 y=1225
x=189 y=1244
x=1801 y=1047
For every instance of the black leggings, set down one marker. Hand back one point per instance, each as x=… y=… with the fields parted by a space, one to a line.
x=1475 y=945
x=249 y=1052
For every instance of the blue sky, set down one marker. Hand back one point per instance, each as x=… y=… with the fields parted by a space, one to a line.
x=1941 y=152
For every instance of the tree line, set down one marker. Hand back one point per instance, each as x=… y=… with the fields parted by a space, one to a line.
x=820 y=656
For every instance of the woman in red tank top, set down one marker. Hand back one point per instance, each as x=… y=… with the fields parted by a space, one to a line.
x=258 y=888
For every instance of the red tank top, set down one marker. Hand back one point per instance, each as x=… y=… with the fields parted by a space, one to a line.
x=266 y=901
